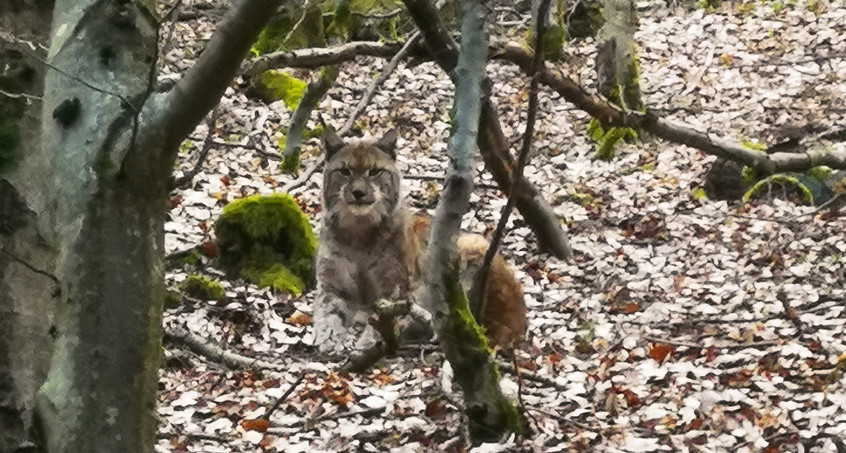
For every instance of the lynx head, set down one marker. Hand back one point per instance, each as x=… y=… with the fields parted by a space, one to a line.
x=361 y=184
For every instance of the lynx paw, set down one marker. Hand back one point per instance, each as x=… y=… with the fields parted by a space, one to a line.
x=334 y=338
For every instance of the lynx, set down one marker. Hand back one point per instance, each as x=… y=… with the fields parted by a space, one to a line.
x=371 y=246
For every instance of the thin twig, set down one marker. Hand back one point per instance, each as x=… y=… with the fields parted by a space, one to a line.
x=754 y=344
x=530 y=376
x=285 y=395
x=87 y=84
x=19 y=95
x=374 y=86
x=305 y=7
x=385 y=15
x=166 y=43
x=185 y=179
x=303 y=178
x=480 y=284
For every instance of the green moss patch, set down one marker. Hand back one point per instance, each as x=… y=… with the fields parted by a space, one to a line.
x=698 y=194
x=172 y=300
x=277 y=277
x=203 y=288
x=267 y=240
x=765 y=185
x=822 y=172
x=753 y=145
x=275 y=85
x=608 y=141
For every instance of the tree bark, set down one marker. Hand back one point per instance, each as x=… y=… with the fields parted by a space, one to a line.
x=27 y=258
x=100 y=390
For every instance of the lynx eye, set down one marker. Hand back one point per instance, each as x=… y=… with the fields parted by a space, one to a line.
x=344 y=171
x=374 y=172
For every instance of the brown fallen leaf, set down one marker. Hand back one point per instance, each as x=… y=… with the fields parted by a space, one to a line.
x=660 y=351
x=434 y=409
x=299 y=319
x=258 y=424
x=209 y=249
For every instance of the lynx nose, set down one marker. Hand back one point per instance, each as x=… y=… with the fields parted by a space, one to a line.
x=358 y=194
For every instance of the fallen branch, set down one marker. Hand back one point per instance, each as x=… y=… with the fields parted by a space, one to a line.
x=217 y=354
x=764 y=163
x=594 y=105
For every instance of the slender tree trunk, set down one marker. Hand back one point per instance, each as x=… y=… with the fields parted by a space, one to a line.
x=490 y=414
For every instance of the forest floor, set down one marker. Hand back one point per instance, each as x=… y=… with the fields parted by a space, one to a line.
x=684 y=324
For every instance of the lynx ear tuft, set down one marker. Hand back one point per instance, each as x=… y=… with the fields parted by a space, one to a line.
x=331 y=142
x=388 y=143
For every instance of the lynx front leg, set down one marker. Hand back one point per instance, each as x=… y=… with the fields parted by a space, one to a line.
x=407 y=320
x=341 y=327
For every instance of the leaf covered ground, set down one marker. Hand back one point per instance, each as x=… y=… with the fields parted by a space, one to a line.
x=684 y=324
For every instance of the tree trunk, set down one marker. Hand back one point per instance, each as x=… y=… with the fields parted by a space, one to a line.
x=27 y=259
x=100 y=390
x=81 y=222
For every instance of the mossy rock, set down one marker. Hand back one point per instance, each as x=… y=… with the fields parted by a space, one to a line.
x=267 y=240
x=274 y=85
x=203 y=288
x=728 y=180
x=786 y=181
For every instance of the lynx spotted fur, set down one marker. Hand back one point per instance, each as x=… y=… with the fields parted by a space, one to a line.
x=371 y=246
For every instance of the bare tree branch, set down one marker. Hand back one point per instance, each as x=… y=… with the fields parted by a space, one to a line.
x=480 y=283
x=323 y=56
x=371 y=90
x=590 y=103
x=183 y=181
x=202 y=86
x=317 y=88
